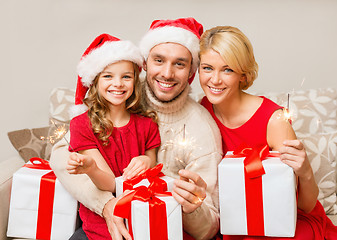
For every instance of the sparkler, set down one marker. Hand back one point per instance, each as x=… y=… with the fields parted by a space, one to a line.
x=181 y=146
x=58 y=133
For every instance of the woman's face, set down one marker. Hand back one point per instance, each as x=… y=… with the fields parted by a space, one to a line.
x=116 y=83
x=217 y=79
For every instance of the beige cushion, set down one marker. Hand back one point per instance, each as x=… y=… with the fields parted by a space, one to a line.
x=313 y=111
x=32 y=142
x=321 y=151
x=61 y=100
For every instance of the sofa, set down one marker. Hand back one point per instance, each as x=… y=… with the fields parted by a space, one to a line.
x=313 y=115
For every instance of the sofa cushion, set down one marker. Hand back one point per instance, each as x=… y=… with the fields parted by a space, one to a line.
x=30 y=142
x=313 y=111
x=61 y=100
x=321 y=151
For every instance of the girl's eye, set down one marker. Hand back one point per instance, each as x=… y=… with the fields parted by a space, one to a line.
x=228 y=70
x=107 y=76
x=126 y=76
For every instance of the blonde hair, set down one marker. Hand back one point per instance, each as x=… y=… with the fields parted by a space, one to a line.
x=235 y=48
x=98 y=109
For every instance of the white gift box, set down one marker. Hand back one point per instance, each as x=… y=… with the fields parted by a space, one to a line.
x=24 y=205
x=144 y=182
x=279 y=197
x=141 y=224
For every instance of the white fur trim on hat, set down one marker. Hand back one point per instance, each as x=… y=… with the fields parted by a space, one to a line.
x=174 y=35
x=109 y=52
x=77 y=110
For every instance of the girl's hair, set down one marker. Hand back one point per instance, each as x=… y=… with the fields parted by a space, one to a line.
x=235 y=48
x=98 y=109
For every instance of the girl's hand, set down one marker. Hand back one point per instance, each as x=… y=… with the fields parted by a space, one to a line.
x=138 y=165
x=79 y=163
x=293 y=154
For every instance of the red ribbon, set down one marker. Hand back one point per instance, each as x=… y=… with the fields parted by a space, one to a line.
x=46 y=198
x=254 y=170
x=157 y=207
x=152 y=175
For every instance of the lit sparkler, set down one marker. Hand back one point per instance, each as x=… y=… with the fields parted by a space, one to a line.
x=181 y=146
x=59 y=132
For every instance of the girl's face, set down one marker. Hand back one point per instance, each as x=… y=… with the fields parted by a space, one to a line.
x=217 y=79
x=116 y=83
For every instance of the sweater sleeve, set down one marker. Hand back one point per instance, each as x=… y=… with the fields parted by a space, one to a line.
x=204 y=222
x=79 y=186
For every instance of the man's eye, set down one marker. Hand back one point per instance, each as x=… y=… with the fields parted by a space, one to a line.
x=180 y=64
x=158 y=60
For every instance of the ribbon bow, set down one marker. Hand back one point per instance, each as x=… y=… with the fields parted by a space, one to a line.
x=38 y=163
x=152 y=175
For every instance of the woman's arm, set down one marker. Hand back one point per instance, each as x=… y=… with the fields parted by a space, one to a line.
x=281 y=137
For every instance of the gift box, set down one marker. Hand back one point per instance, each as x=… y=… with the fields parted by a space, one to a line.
x=257 y=194
x=151 y=211
x=40 y=208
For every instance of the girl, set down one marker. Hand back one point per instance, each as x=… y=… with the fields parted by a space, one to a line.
x=115 y=136
x=227 y=67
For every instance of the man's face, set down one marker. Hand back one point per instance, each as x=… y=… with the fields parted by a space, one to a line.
x=168 y=69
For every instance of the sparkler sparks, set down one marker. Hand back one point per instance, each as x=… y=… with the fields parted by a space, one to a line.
x=58 y=133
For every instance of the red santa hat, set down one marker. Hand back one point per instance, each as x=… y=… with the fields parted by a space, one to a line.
x=104 y=50
x=185 y=31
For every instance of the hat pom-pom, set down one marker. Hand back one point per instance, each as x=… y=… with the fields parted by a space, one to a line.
x=77 y=110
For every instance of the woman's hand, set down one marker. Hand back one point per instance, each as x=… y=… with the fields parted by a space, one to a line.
x=138 y=165
x=79 y=163
x=294 y=155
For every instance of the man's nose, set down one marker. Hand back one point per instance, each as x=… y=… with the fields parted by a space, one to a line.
x=167 y=71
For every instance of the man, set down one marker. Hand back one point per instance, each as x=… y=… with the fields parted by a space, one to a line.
x=170 y=49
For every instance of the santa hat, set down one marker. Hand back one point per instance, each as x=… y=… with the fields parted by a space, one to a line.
x=185 y=31
x=104 y=50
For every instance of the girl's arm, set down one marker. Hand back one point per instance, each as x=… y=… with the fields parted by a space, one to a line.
x=140 y=164
x=281 y=137
x=94 y=165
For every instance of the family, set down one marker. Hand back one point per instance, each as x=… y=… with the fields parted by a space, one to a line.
x=122 y=126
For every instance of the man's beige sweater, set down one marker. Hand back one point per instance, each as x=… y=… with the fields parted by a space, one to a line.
x=202 y=158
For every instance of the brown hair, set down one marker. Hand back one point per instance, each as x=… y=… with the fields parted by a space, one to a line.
x=98 y=109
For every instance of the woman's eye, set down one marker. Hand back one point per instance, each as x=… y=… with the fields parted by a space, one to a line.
x=228 y=70
x=207 y=68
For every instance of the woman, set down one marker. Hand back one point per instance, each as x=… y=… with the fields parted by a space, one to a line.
x=227 y=67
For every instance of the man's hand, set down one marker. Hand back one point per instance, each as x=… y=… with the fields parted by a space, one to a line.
x=115 y=224
x=79 y=163
x=189 y=190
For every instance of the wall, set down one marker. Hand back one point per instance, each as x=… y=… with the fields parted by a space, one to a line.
x=42 y=41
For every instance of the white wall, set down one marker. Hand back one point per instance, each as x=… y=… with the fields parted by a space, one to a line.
x=42 y=41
